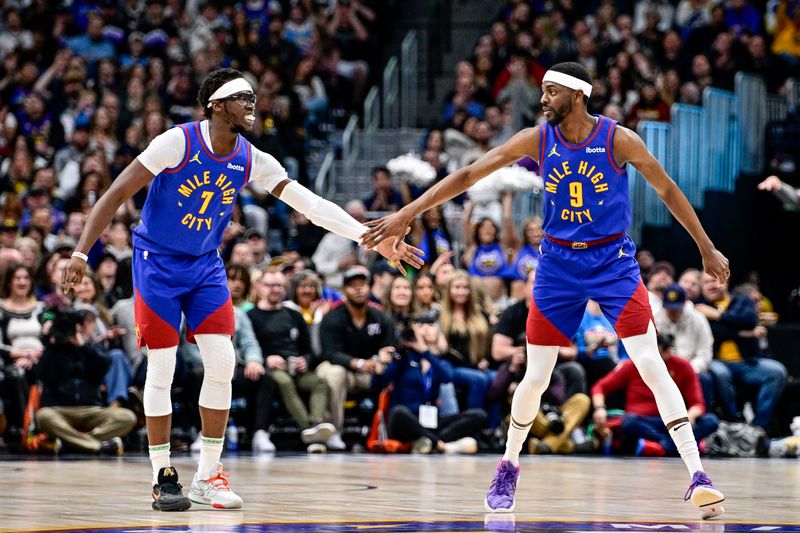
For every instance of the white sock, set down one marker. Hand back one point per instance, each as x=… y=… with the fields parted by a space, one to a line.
x=525 y=404
x=683 y=437
x=643 y=351
x=210 y=452
x=159 y=458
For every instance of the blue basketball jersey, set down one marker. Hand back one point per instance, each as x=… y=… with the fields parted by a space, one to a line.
x=585 y=191
x=440 y=241
x=189 y=206
x=489 y=260
x=527 y=260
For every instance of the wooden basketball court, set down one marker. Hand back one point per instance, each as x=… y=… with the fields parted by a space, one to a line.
x=401 y=493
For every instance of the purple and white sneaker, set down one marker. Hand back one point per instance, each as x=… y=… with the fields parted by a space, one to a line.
x=500 y=498
x=704 y=496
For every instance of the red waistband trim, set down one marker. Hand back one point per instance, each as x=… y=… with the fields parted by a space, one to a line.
x=581 y=245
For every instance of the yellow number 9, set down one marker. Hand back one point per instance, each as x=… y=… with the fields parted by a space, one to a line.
x=576 y=194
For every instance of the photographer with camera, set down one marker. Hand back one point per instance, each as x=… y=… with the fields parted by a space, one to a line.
x=71 y=372
x=416 y=372
x=642 y=425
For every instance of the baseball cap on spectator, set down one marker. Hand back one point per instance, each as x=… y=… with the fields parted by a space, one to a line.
x=64 y=242
x=664 y=266
x=9 y=224
x=426 y=317
x=106 y=256
x=355 y=273
x=674 y=297
x=382 y=267
x=136 y=36
x=253 y=232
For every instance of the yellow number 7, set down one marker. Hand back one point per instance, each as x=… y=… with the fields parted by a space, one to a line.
x=206 y=196
x=575 y=194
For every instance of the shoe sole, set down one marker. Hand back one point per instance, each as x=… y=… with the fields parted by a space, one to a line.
x=500 y=510
x=215 y=505
x=321 y=436
x=182 y=505
x=709 y=501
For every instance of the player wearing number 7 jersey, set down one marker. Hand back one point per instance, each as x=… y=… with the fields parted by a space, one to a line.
x=195 y=171
x=586 y=254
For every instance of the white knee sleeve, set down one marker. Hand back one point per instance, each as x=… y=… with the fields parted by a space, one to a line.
x=643 y=351
x=158 y=382
x=219 y=362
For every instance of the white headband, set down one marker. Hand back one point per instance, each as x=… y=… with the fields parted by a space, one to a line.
x=568 y=81
x=228 y=88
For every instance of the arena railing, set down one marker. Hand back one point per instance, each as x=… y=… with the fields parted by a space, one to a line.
x=409 y=73
x=372 y=118
x=350 y=143
x=751 y=108
x=391 y=94
x=722 y=138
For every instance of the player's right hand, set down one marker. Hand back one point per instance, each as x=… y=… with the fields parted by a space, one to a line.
x=716 y=264
x=73 y=274
x=393 y=227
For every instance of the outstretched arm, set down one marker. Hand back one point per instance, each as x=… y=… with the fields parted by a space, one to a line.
x=395 y=226
x=630 y=148
x=330 y=216
x=134 y=177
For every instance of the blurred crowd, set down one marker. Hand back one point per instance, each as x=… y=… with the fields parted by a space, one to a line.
x=326 y=332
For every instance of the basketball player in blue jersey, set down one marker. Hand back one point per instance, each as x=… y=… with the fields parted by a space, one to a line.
x=195 y=171
x=586 y=254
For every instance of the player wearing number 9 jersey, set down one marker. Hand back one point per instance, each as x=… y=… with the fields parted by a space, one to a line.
x=585 y=254
x=195 y=172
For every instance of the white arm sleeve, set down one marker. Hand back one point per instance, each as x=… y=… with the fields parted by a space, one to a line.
x=165 y=151
x=266 y=171
x=322 y=212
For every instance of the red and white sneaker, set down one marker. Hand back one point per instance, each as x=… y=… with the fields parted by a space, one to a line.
x=213 y=490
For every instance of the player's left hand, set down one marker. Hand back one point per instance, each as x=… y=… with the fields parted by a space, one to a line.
x=715 y=264
x=399 y=254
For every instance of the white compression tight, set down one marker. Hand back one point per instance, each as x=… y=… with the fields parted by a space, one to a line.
x=219 y=362
x=643 y=351
x=527 y=396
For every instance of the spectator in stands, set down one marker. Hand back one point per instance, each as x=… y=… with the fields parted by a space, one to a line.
x=735 y=325
x=691 y=335
x=690 y=282
x=72 y=409
x=20 y=342
x=642 y=423
x=384 y=196
x=742 y=18
x=466 y=326
x=381 y=277
x=649 y=107
x=486 y=252
x=353 y=337
x=240 y=285
x=425 y=299
x=399 y=303
x=92 y=46
x=661 y=275
x=100 y=332
x=306 y=297
x=417 y=372
x=788 y=28
x=284 y=339
x=525 y=248
x=431 y=235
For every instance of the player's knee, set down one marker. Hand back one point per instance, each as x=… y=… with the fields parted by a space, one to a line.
x=219 y=359
x=536 y=380
x=161 y=368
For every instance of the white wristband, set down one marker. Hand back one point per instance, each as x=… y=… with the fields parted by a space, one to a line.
x=81 y=256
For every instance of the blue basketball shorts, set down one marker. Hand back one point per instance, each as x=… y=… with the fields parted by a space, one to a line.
x=167 y=285
x=565 y=279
